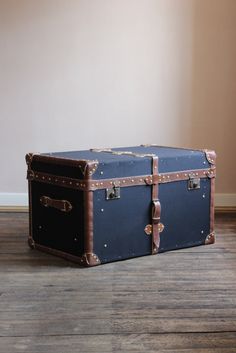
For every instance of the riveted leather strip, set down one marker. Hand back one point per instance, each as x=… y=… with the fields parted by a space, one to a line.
x=186 y=174
x=61 y=160
x=88 y=258
x=210 y=239
x=91 y=184
x=156 y=209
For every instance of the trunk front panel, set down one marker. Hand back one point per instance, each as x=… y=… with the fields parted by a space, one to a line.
x=119 y=224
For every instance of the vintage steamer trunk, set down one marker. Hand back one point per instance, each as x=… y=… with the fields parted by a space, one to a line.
x=104 y=205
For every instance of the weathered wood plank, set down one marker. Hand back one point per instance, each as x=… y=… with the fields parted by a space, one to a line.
x=176 y=302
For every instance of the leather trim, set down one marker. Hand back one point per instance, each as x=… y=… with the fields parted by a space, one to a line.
x=83 y=164
x=212 y=206
x=92 y=185
x=186 y=174
x=156 y=209
x=73 y=258
x=211 y=157
x=88 y=258
x=31 y=242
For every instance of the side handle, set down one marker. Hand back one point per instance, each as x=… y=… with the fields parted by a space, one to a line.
x=62 y=205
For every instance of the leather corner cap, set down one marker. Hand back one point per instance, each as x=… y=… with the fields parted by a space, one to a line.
x=210 y=156
x=89 y=260
x=210 y=239
x=29 y=158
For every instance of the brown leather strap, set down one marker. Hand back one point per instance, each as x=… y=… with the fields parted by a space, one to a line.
x=62 y=205
x=156 y=209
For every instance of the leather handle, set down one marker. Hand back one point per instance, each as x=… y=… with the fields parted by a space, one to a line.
x=62 y=205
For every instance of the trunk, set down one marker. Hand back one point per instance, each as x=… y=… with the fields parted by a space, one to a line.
x=100 y=206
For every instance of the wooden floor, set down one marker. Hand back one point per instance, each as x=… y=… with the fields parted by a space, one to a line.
x=182 y=301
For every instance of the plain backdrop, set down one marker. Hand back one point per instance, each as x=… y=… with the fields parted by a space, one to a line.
x=78 y=74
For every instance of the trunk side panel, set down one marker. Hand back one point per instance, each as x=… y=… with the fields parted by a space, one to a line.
x=54 y=228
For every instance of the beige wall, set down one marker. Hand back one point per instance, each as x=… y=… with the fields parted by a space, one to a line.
x=90 y=73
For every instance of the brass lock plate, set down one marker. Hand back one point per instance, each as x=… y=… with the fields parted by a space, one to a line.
x=194 y=183
x=113 y=193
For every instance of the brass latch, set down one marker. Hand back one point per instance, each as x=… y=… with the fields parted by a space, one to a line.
x=113 y=193
x=193 y=182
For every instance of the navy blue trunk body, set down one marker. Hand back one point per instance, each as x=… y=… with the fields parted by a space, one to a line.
x=118 y=225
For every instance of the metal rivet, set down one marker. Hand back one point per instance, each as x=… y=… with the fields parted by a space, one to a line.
x=123 y=181
x=105 y=245
x=97 y=260
x=204 y=196
x=132 y=180
x=102 y=209
x=40 y=227
x=75 y=239
x=92 y=185
x=202 y=231
x=177 y=175
x=70 y=182
x=101 y=172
